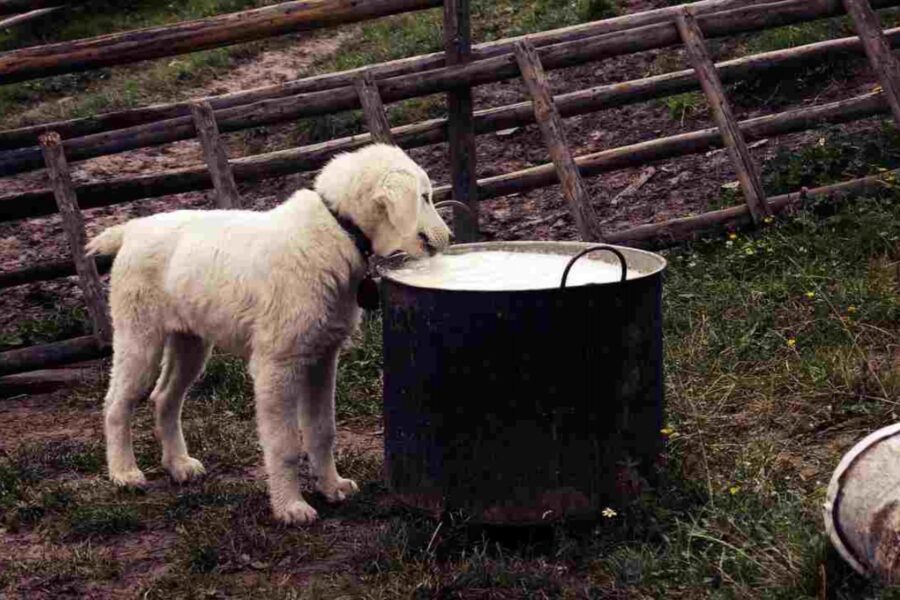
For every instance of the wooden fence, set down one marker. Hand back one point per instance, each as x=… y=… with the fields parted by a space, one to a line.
x=454 y=72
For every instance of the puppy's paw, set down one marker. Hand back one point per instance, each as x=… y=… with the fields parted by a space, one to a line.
x=130 y=478
x=296 y=513
x=184 y=468
x=339 y=490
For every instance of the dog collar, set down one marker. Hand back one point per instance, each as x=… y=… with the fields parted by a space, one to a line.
x=360 y=239
x=367 y=292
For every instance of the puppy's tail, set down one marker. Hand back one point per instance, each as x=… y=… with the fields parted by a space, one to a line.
x=108 y=242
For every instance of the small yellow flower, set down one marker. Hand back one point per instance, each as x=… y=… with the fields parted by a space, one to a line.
x=821 y=142
x=732 y=236
x=734 y=489
x=769 y=220
x=810 y=295
x=877 y=89
x=667 y=431
x=609 y=513
x=851 y=309
x=791 y=342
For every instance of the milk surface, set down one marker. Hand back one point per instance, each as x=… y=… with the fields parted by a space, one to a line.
x=505 y=271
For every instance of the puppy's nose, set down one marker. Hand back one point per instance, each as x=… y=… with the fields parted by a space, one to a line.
x=430 y=248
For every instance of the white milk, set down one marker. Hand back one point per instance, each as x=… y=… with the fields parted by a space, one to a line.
x=505 y=271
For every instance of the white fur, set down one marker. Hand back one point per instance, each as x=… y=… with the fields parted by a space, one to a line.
x=277 y=288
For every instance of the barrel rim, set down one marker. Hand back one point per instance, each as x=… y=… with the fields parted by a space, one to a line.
x=834 y=494
x=572 y=248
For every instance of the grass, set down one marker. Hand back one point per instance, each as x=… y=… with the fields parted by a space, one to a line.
x=56 y=325
x=780 y=351
x=78 y=95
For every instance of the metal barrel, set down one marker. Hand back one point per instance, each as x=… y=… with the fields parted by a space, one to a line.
x=862 y=507
x=524 y=406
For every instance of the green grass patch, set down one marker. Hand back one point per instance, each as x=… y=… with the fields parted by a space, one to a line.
x=57 y=325
x=98 y=521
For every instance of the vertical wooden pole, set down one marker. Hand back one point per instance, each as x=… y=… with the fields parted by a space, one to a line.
x=373 y=108
x=878 y=50
x=73 y=224
x=747 y=174
x=547 y=116
x=460 y=126
x=214 y=153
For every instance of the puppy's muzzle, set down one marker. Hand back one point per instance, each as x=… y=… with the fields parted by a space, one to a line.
x=430 y=248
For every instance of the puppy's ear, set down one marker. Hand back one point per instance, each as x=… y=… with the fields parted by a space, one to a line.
x=398 y=194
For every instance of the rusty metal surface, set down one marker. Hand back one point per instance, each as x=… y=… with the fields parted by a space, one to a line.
x=517 y=407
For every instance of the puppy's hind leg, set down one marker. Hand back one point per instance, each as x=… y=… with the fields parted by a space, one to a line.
x=183 y=361
x=135 y=366
x=276 y=385
x=317 y=423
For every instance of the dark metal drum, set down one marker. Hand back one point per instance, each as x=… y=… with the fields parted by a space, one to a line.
x=524 y=406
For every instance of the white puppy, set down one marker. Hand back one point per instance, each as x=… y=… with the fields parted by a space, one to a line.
x=277 y=288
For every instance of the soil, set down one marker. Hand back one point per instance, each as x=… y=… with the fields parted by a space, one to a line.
x=677 y=188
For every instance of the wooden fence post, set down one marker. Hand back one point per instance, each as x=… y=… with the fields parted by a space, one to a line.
x=460 y=125
x=214 y=153
x=878 y=49
x=747 y=174
x=73 y=224
x=547 y=116
x=373 y=108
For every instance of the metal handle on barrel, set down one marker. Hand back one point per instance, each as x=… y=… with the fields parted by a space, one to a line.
x=618 y=254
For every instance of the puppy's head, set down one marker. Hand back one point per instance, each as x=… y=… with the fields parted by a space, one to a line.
x=388 y=196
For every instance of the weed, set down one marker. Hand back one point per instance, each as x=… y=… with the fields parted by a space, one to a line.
x=685 y=106
x=592 y=10
x=98 y=521
x=359 y=373
x=57 y=325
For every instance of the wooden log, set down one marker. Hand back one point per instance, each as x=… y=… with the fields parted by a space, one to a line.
x=675 y=231
x=397 y=88
x=48 y=270
x=25 y=136
x=73 y=224
x=227 y=195
x=640 y=154
x=284 y=162
x=44 y=381
x=373 y=109
x=666 y=233
x=14 y=7
x=878 y=50
x=52 y=355
x=461 y=122
x=746 y=170
x=191 y=36
x=551 y=126
x=25 y=17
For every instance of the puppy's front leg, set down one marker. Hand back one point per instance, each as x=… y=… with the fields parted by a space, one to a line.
x=277 y=386
x=317 y=422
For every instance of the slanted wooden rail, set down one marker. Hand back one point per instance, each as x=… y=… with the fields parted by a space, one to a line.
x=454 y=72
